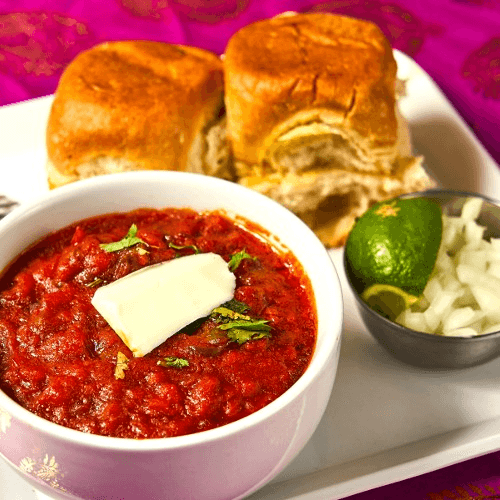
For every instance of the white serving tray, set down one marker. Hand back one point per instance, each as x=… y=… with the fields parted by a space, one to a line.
x=386 y=421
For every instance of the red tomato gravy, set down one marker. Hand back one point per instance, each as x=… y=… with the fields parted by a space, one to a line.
x=58 y=355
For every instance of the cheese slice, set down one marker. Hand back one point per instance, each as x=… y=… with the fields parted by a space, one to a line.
x=148 y=306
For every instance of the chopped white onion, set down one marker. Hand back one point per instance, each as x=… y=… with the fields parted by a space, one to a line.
x=462 y=296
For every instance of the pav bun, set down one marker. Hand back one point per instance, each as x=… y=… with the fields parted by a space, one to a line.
x=302 y=108
x=138 y=105
x=313 y=121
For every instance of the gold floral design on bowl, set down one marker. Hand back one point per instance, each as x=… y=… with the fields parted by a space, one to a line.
x=46 y=469
x=5 y=419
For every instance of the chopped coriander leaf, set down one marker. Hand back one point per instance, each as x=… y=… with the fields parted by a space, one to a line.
x=228 y=313
x=236 y=306
x=241 y=336
x=231 y=309
x=243 y=330
x=129 y=240
x=257 y=325
x=195 y=249
x=173 y=362
x=94 y=283
x=121 y=365
x=239 y=327
x=236 y=259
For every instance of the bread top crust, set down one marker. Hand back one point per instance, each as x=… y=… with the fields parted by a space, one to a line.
x=145 y=101
x=288 y=70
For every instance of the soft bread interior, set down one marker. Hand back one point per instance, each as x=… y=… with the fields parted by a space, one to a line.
x=210 y=152
x=320 y=179
x=320 y=173
x=322 y=144
x=330 y=200
x=307 y=191
x=335 y=215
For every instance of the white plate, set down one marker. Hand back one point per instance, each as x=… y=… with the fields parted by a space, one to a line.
x=386 y=421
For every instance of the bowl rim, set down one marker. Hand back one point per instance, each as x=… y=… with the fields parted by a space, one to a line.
x=403 y=330
x=333 y=316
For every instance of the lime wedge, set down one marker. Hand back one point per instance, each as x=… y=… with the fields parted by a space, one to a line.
x=388 y=300
x=395 y=242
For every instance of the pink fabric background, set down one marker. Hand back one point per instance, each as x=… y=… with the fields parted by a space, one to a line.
x=456 y=41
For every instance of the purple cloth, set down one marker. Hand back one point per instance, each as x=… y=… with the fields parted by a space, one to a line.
x=477 y=479
x=456 y=41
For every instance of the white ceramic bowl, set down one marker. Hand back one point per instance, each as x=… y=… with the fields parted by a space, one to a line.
x=228 y=462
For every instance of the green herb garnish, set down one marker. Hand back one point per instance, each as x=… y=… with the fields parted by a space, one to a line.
x=228 y=313
x=94 y=283
x=237 y=326
x=240 y=327
x=247 y=324
x=232 y=309
x=184 y=247
x=241 y=336
x=173 y=362
x=129 y=240
x=236 y=306
x=236 y=259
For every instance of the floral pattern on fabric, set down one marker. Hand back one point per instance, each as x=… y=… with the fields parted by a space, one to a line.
x=34 y=49
x=482 y=69
x=403 y=29
x=210 y=12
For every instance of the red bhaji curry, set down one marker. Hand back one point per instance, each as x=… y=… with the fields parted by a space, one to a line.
x=61 y=360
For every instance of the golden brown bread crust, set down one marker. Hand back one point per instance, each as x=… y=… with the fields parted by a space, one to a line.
x=303 y=68
x=311 y=116
x=141 y=103
x=313 y=120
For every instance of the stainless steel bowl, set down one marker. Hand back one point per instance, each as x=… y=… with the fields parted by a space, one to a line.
x=428 y=350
